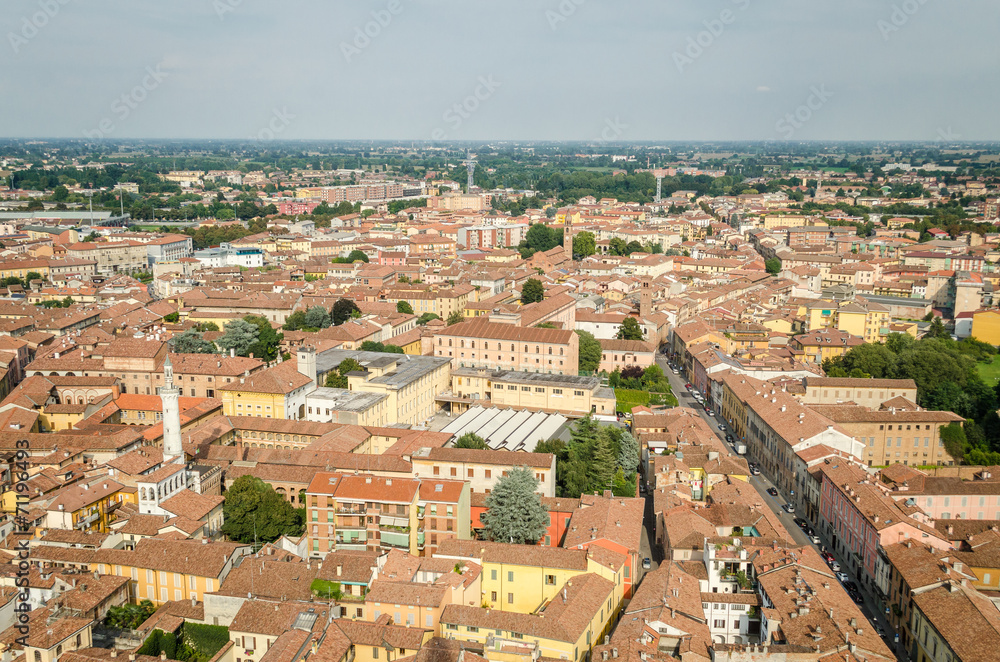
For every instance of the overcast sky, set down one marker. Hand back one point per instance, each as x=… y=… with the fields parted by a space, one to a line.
x=518 y=69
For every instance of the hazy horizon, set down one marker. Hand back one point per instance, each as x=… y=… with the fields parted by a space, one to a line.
x=556 y=71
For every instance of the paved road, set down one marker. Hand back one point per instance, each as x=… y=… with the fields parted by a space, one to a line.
x=870 y=608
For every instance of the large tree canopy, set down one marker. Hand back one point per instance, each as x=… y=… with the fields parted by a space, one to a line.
x=514 y=511
x=254 y=512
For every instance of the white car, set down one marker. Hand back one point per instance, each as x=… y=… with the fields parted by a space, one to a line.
x=814 y=540
x=842 y=577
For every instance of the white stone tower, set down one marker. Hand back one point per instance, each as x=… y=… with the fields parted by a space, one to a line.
x=173 y=450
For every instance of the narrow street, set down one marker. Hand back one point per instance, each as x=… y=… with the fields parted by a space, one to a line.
x=870 y=608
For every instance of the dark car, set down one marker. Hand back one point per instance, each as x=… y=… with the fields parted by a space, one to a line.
x=801 y=523
x=773 y=492
x=808 y=530
x=850 y=587
x=858 y=600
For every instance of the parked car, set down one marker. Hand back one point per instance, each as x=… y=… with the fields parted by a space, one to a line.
x=879 y=631
x=755 y=471
x=722 y=427
x=801 y=523
x=647 y=563
x=772 y=491
x=729 y=438
x=789 y=507
x=850 y=586
x=709 y=411
x=842 y=577
x=856 y=597
x=834 y=566
x=813 y=539
x=827 y=556
x=687 y=386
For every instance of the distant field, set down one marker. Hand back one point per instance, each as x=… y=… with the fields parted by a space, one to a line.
x=990 y=372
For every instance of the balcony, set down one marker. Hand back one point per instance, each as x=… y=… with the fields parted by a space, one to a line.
x=420 y=512
x=84 y=522
x=395 y=539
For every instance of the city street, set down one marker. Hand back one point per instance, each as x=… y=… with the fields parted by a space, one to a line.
x=870 y=608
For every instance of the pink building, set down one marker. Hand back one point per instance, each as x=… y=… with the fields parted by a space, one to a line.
x=621 y=354
x=290 y=208
x=859 y=518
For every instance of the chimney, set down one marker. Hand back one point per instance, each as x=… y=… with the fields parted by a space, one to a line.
x=340 y=569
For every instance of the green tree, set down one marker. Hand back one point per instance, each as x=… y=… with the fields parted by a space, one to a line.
x=602 y=464
x=584 y=244
x=357 y=255
x=206 y=326
x=172 y=318
x=456 y=317
x=874 y=359
x=254 y=512
x=514 y=511
x=33 y=275
x=630 y=329
x=191 y=342
x=295 y=321
x=954 y=441
x=937 y=330
x=589 y=352
x=773 y=266
x=60 y=193
x=268 y=341
x=617 y=246
x=337 y=378
x=540 y=238
x=471 y=440
x=404 y=307
x=899 y=342
x=533 y=291
x=317 y=318
x=239 y=335
x=427 y=317
x=343 y=310
x=628 y=452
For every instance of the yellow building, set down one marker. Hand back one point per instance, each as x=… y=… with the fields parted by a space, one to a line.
x=165 y=570
x=83 y=506
x=534 y=391
x=409 y=382
x=565 y=627
x=278 y=392
x=986 y=326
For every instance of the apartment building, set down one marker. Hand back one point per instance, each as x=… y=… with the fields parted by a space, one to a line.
x=365 y=512
x=776 y=427
x=859 y=518
x=908 y=435
x=564 y=393
x=481 y=469
x=864 y=392
x=407 y=382
x=482 y=344
x=954 y=622
x=622 y=354
x=111 y=257
x=167 y=570
x=278 y=392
